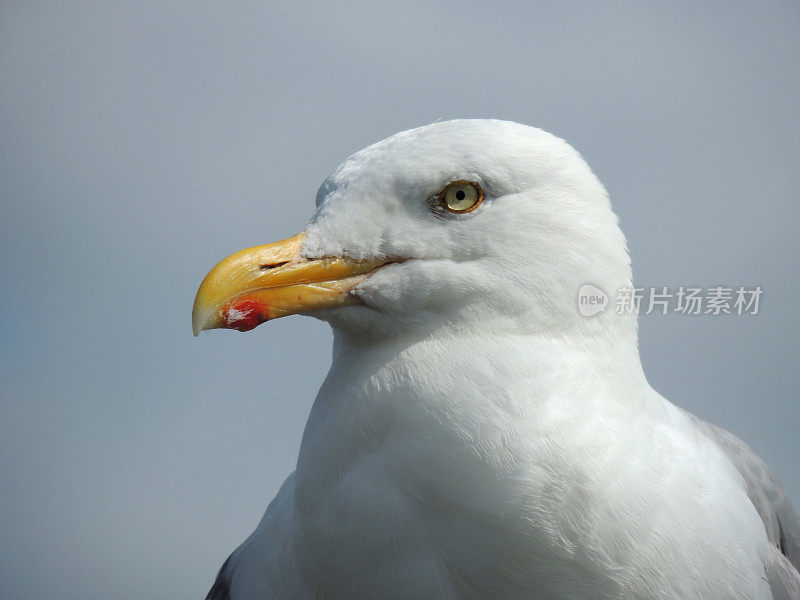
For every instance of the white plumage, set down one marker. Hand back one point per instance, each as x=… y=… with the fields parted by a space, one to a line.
x=476 y=437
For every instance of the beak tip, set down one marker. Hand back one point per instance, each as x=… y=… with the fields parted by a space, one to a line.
x=200 y=322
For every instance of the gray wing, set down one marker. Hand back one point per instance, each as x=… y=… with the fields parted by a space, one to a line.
x=221 y=590
x=783 y=578
x=780 y=519
x=764 y=490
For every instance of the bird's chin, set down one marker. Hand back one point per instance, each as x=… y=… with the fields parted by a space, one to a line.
x=361 y=324
x=355 y=321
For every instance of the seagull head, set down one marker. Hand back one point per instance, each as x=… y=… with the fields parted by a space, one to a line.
x=458 y=226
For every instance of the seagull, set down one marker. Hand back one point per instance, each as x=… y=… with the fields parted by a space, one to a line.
x=477 y=436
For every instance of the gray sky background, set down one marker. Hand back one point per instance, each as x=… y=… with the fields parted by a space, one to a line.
x=141 y=142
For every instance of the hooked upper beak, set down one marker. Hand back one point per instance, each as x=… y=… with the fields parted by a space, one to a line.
x=272 y=281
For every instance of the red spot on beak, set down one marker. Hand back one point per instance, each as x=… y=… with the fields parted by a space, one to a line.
x=244 y=314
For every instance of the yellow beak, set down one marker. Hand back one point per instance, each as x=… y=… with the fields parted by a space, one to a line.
x=267 y=282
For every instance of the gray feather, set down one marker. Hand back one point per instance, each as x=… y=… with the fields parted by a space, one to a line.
x=783 y=578
x=221 y=590
x=764 y=490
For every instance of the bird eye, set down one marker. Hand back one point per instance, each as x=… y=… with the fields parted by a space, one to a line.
x=461 y=196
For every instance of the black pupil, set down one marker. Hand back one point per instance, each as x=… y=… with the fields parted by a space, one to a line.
x=460 y=195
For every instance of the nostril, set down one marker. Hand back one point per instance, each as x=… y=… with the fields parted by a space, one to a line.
x=267 y=267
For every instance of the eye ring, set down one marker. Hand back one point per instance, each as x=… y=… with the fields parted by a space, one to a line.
x=460 y=196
